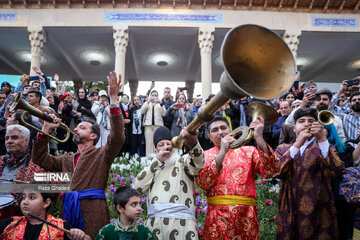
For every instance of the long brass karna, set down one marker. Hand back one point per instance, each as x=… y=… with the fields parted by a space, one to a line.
x=20 y=103
x=257 y=62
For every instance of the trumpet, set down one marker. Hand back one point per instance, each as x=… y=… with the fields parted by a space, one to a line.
x=20 y=103
x=325 y=117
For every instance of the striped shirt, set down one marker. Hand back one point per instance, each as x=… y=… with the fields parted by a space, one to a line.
x=351 y=123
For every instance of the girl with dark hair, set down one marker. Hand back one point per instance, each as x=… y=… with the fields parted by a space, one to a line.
x=290 y=97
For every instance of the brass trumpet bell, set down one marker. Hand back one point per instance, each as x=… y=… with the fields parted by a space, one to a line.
x=20 y=103
x=254 y=110
x=326 y=117
x=257 y=63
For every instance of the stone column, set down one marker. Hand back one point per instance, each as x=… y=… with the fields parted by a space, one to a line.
x=190 y=89
x=37 y=39
x=133 y=84
x=206 y=38
x=121 y=38
x=291 y=37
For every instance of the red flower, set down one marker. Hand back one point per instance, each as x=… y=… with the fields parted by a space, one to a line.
x=196 y=192
x=123 y=184
x=268 y=202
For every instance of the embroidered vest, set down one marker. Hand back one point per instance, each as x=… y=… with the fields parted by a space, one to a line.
x=18 y=232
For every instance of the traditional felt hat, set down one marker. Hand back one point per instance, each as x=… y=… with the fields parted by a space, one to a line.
x=162 y=133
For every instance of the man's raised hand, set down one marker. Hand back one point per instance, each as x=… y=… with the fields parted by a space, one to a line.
x=37 y=70
x=114 y=86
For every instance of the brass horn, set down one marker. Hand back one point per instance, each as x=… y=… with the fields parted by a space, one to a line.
x=254 y=110
x=257 y=62
x=326 y=117
x=20 y=103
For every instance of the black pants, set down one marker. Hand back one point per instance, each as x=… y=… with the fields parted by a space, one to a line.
x=345 y=213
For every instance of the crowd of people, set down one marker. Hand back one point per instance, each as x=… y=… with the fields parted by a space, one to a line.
x=316 y=161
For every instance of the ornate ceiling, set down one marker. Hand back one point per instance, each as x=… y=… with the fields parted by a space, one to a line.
x=318 y=6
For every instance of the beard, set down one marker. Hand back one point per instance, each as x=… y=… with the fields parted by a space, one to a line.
x=356 y=108
x=77 y=140
x=322 y=106
x=171 y=160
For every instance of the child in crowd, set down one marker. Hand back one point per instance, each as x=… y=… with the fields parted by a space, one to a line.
x=27 y=227
x=127 y=204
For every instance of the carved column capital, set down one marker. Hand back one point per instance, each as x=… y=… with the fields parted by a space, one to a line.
x=121 y=38
x=291 y=37
x=37 y=39
x=206 y=38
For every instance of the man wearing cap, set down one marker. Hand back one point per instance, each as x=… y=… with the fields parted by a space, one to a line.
x=306 y=204
x=101 y=111
x=169 y=184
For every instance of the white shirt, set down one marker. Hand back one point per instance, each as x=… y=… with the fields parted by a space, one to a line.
x=324 y=148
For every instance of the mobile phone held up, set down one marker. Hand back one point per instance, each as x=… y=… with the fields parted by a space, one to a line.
x=353 y=82
x=33 y=78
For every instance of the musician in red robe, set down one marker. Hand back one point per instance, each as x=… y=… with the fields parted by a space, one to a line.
x=228 y=179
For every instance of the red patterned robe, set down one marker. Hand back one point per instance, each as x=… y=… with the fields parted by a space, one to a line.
x=18 y=232
x=237 y=177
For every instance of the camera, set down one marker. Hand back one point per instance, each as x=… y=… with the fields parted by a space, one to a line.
x=66 y=101
x=183 y=89
x=353 y=82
